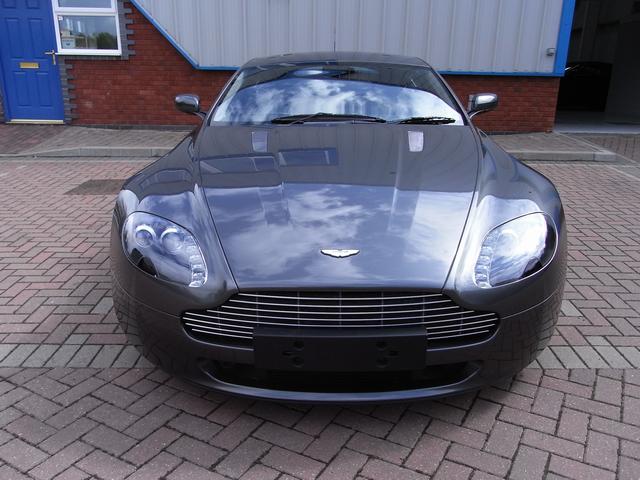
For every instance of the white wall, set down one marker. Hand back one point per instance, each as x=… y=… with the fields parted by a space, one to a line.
x=453 y=35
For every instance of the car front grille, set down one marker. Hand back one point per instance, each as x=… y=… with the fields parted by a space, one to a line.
x=445 y=322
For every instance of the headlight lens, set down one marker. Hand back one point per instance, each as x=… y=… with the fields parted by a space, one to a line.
x=515 y=250
x=163 y=249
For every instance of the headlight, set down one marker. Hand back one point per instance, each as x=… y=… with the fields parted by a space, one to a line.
x=163 y=249
x=515 y=250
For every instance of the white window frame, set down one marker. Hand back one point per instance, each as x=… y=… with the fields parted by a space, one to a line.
x=89 y=12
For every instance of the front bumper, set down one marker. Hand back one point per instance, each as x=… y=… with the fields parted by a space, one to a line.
x=230 y=369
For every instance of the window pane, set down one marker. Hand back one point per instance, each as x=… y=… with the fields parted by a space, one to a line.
x=85 y=3
x=88 y=32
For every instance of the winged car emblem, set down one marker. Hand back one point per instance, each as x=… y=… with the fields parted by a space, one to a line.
x=339 y=253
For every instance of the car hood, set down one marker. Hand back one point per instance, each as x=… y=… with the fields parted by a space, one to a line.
x=400 y=194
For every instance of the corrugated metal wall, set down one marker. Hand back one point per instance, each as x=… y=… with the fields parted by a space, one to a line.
x=506 y=36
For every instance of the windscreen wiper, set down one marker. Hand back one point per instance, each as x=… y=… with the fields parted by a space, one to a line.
x=320 y=116
x=427 y=120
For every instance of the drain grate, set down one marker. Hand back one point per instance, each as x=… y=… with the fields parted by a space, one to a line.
x=98 y=187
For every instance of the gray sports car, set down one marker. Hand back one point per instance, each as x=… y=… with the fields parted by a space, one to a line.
x=337 y=230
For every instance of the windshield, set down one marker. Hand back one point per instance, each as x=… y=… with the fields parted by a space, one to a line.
x=386 y=92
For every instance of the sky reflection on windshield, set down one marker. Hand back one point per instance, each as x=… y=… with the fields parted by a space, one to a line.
x=298 y=96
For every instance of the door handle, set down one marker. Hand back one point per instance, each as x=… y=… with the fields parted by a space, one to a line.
x=53 y=55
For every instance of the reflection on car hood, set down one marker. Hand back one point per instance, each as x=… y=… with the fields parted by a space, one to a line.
x=399 y=194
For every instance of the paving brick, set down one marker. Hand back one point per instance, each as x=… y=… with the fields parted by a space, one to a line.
x=602 y=450
x=283 y=437
x=631 y=411
x=8 y=473
x=30 y=429
x=115 y=395
x=151 y=446
x=608 y=390
x=109 y=440
x=46 y=386
x=504 y=439
x=229 y=411
x=195 y=426
x=18 y=355
x=292 y=463
x=427 y=454
x=573 y=426
x=195 y=451
x=457 y=434
x=151 y=422
x=274 y=412
x=189 y=471
x=391 y=452
x=590 y=406
x=151 y=400
x=192 y=404
x=482 y=416
x=473 y=458
x=78 y=391
x=105 y=466
x=260 y=472
x=328 y=443
x=21 y=455
x=74 y=411
x=61 y=461
x=529 y=464
x=242 y=458
x=158 y=467
x=112 y=416
x=577 y=470
x=526 y=419
x=452 y=471
x=548 y=403
x=552 y=444
x=381 y=470
x=73 y=473
x=364 y=423
x=408 y=429
x=616 y=429
x=629 y=468
x=233 y=434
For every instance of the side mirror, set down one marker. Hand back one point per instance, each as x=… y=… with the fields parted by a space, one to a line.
x=482 y=102
x=188 y=103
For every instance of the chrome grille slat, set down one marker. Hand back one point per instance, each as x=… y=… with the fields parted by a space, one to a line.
x=269 y=310
x=269 y=322
x=429 y=329
x=332 y=298
x=309 y=305
x=442 y=319
x=309 y=318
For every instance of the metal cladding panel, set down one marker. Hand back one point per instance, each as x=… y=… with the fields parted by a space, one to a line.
x=492 y=36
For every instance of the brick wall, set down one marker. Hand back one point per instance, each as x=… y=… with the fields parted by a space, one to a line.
x=527 y=104
x=140 y=90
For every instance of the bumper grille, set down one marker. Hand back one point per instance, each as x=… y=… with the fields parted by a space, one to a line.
x=446 y=323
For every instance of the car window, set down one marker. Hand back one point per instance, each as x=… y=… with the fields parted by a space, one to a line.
x=390 y=92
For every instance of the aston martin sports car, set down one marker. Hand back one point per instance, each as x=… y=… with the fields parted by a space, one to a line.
x=337 y=230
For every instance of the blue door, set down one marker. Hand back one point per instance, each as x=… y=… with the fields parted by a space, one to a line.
x=30 y=79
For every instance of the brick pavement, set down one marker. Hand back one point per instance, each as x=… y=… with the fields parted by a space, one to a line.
x=77 y=402
x=625 y=145
x=16 y=138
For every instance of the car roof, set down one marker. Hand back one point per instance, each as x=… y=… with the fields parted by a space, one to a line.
x=335 y=57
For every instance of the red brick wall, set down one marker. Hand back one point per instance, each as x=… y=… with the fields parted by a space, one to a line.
x=140 y=91
x=526 y=104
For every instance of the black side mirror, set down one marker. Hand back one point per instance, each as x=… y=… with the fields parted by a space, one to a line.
x=188 y=103
x=482 y=102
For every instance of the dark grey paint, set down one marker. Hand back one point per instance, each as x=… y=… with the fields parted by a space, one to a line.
x=263 y=201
